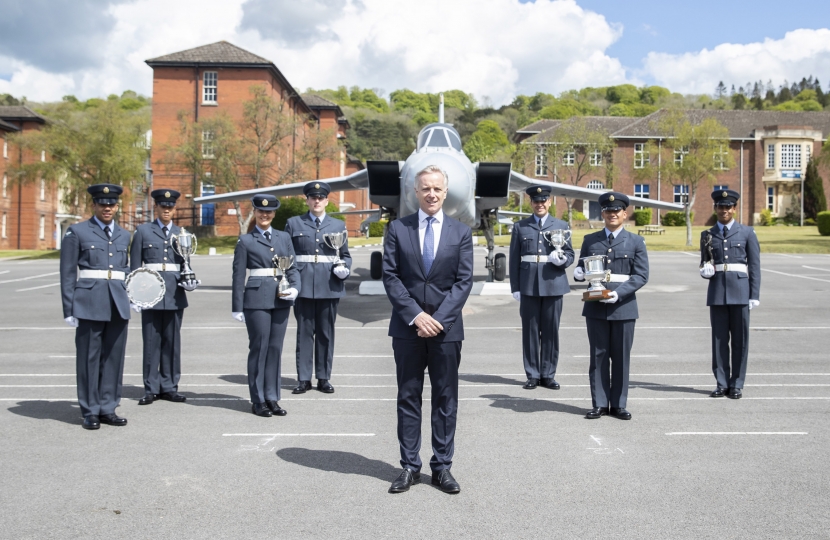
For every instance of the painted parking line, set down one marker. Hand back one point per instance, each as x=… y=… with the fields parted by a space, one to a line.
x=38 y=287
x=706 y=399
x=793 y=374
x=737 y=433
x=29 y=277
x=482 y=328
x=476 y=385
x=298 y=434
x=796 y=275
x=814 y=268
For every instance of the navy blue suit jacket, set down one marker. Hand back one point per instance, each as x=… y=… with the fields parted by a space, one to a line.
x=443 y=292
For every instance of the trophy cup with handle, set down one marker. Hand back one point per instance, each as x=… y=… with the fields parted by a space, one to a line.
x=557 y=238
x=336 y=241
x=283 y=263
x=596 y=273
x=184 y=244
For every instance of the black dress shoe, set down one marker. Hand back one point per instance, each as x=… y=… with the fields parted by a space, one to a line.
x=407 y=478
x=275 y=408
x=113 y=420
x=261 y=409
x=302 y=387
x=445 y=481
x=596 y=412
x=325 y=386
x=531 y=384
x=718 y=392
x=175 y=397
x=620 y=413
x=550 y=383
x=147 y=399
x=91 y=422
x=734 y=393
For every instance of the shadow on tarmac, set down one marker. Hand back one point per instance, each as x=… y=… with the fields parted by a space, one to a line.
x=220 y=401
x=530 y=405
x=487 y=379
x=62 y=411
x=341 y=462
x=661 y=388
x=365 y=309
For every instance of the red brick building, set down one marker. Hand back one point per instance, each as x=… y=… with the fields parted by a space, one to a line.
x=770 y=150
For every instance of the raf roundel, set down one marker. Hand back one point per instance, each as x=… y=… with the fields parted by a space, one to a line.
x=265 y=203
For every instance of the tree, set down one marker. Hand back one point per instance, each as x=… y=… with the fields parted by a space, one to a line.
x=814 y=199
x=693 y=156
x=720 y=91
x=488 y=143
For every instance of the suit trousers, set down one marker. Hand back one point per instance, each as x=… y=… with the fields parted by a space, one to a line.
x=266 y=333
x=161 y=330
x=610 y=343
x=99 y=363
x=540 y=334
x=730 y=322
x=315 y=336
x=442 y=359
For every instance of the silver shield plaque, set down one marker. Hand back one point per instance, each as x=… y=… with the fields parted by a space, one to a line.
x=145 y=287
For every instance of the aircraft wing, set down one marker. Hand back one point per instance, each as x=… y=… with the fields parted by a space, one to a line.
x=511 y=213
x=520 y=182
x=356 y=180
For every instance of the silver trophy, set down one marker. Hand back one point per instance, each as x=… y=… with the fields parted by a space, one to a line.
x=184 y=244
x=557 y=238
x=336 y=241
x=145 y=287
x=283 y=263
x=596 y=273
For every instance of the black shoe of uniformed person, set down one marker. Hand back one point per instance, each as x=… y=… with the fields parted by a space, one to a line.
x=620 y=413
x=406 y=479
x=719 y=392
x=302 y=387
x=734 y=393
x=113 y=420
x=275 y=408
x=445 y=481
x=325 y=386
x=531 y=384
x=175 y=397
x=261 y=409
x=91 y=422
x=147 y=399
x=596 y=412
x=550 y=383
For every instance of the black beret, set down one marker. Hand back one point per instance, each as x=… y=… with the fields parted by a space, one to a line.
x=612 y=200
x=165 y=197
x=538 y=193
x=725 y=197
x=105 y=193
x=316 y=188
x=269 y=203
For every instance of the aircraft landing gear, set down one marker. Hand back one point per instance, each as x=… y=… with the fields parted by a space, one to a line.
x=496 y=264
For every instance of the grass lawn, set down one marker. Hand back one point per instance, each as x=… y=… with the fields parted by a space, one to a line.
x=31 y=254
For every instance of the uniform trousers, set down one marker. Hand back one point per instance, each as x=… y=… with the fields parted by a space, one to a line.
x=610 y=343
x=161 y=330
x=99 y=363
x=730 y=322
x=315 y=336
x=266 y=332
x=540 y=335
x=412 y=358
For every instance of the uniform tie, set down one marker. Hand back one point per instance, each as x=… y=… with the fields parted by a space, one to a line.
x=317 y=222
x=429 y=245
x=725 y=230
x=165 y=230
x=611 y=237
x=268 y=236
x=108 y=231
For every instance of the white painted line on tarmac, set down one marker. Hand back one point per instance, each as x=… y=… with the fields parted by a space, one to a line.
x=737 y=433
x=789 y=256
x=39 y=287
x=5 y=271
x=29 y=277
x=630 y=356
x=460 y=374
x=485 y=328
x=298 y=434
x=796 y=275
x=696 y=255
x=814 y=268
x=506 y=398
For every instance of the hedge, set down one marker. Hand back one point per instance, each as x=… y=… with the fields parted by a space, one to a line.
x=376 y=228
x=676 y=219
x=823 y=221
x=578 y=216
x=294 y=206
x=642 y=217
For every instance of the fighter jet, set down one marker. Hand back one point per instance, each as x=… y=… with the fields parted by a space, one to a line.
x=476 y=190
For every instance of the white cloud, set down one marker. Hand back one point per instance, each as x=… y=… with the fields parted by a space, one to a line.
x=798 y=54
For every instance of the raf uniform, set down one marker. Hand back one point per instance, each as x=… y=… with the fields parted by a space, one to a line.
x=161 y=324
x=539 y=281
x=611 y=322
x=92 y=270
x=257 y=304
x=316 y=307
x=734 y=274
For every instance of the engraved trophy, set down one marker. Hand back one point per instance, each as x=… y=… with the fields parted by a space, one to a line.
x=184 y=244
x=336 y=241
x=283 y=263
x=557 y=238
x=596 y=273
x=707 y=243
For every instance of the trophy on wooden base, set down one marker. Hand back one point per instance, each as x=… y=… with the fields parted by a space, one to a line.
x=596 y=273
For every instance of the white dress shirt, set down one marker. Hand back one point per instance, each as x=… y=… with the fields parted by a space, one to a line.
x=540 y=221
x=615 y=233
x=436 y=228
x=321 y=218
x=269 y=231
x=730 y=224
x=162 y=226
x=112 y=225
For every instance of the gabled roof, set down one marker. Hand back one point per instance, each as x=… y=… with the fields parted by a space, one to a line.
x=609 y=124
x=316 y=102
x=5 y=126
x=20 y=113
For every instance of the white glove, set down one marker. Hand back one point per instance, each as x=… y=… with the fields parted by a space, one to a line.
x=135 y=308
x=612 y=298
x=341 y=271
x=707 y=270
x=754 y=304
x=292 y=294
x=579 y=274
x=71 y=321
x=190 y=285
x=239 y=316
x=557 y=257
x=517 y=296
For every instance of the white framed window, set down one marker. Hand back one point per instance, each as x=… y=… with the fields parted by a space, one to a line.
x=209 y=83
x=680 y=192
x=720 y=187
x=640 y=157
x=770 y=156
x=3 y=227
x=720 y=158
x=642 y=190
x=569 y=157
x=595 y=184
x=595 y=158
x=207 y=144
x=42 y=229
x=790 y=156
x=771 y=198
x=5 y=185
x=679 y=153
x=42 y=189
x=541 y=163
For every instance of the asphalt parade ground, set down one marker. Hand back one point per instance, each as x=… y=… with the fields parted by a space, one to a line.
x=529 y=464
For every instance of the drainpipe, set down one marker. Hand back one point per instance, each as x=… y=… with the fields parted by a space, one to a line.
x=19 y=190
x=196 y=185
x=742 y=185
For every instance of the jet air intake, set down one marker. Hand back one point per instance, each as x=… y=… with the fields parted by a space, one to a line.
x=384 y=182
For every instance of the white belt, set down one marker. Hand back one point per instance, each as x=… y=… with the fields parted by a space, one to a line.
x=618 y=278
x=315 y=258
x=535 y=258
x=265 y=272
x=163 y=267
x=101 y=274
x=731 y=267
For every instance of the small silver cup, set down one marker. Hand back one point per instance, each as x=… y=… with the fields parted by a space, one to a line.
x=336 y=241
x=283 y=263
x=184 y=244
x=557 y=238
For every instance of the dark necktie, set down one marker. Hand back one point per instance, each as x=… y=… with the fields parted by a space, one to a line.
x=268 y=236
x=611 y=237
x=429 y=245
x=108 y=232
x=164 y=230
x=725 y=230
x=317 y=222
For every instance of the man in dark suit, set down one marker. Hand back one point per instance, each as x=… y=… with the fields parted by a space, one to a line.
x=428 y=275
x=538 y=281
x=92 y=271
x=611 y=321
x=323 y=286
x=730 y=258
x=161 y=325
